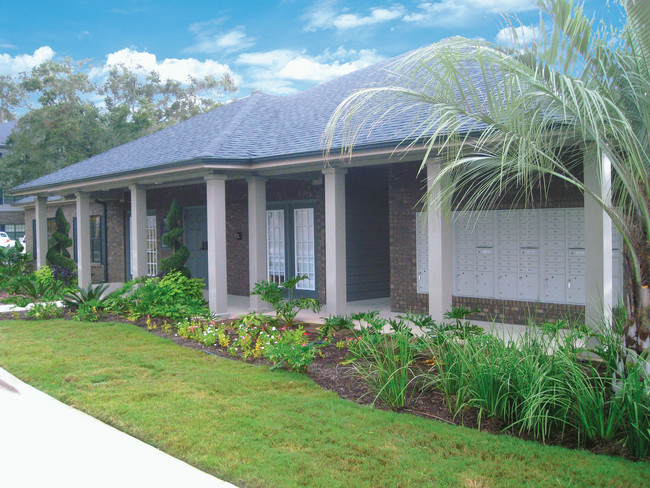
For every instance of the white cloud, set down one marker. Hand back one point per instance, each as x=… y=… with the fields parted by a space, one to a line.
x=24 y=62
x=515 y=37
x=459 y=12
x=210 y=39
x=325 y=16
x=277 y=71
x=168 y=68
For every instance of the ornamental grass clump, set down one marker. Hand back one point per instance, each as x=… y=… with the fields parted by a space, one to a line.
x=385 y=363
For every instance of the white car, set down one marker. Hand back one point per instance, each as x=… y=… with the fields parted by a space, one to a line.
x=4 y=240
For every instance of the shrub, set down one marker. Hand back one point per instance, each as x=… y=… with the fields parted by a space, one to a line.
x=281 y=298
x=42 y=311
x=291 y=350
x=89 y=311
x=81 y=295
x=174 y=296
x=58 y=254
x=172 y=238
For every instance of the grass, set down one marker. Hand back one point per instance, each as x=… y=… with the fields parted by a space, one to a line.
x=258 y=428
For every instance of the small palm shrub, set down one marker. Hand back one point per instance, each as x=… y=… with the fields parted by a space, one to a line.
x=281 y=297
x=80 y=295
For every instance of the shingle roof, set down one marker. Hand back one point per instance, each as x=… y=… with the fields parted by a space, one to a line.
x=258 y=127
x=5 y=130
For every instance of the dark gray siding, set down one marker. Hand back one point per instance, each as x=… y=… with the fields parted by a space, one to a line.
x=368 y=245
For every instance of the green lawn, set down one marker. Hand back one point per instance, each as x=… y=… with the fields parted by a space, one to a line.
x=258 y=428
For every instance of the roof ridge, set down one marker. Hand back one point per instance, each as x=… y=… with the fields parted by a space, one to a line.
x=235 y=122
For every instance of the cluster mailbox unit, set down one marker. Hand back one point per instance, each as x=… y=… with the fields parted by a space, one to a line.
x=527 y=255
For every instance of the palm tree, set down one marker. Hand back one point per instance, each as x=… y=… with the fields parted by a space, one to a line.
x=524 y=117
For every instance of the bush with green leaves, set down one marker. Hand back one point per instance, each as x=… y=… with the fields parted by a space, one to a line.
x=173 y=239
x=281 y=297
x=174 y=296
x=292 y=350
x=58 y=255
x=43 y=311
x=89 y=311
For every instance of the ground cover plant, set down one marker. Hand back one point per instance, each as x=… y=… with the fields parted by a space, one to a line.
x=258 y=428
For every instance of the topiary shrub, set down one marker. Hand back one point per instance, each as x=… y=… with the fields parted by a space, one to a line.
x=58 y=256
x=172 y=239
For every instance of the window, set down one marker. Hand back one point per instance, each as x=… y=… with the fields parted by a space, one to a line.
x=96 y=239
x=51 y=227
x=275 y=245
x=152 y=246
x=290 y=245
x=14 y=231
x=303 y=224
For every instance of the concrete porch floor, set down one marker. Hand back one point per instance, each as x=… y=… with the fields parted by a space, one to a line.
x=239 y=305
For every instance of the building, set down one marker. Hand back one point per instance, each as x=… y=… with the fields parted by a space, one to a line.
x=260 y=201
x=12 y=219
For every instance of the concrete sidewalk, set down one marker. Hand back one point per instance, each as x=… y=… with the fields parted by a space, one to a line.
x=44 y=442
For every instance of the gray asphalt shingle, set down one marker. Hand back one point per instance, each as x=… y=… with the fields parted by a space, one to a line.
x=258 y=127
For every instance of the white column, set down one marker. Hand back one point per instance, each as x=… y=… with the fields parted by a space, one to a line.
x=217 y=265
x=439 y=250
x=40 y=214
x=256 y=237
x=335 y=254
x=83 y=239
x=598 y=241
x=138 y=230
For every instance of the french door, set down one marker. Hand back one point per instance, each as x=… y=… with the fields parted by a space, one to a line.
x=290 y=245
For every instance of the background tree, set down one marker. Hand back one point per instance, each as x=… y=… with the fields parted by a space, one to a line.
x=12 y=96
x=137 y=105
x=521 y=118
x=58 y=257
x=66 y=126
x=172 y=239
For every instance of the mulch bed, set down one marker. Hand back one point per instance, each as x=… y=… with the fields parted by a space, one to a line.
x=328 y=372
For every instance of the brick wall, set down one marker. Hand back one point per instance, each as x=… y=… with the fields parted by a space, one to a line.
x=12 y=217
x=115 y=241
x=406 y=189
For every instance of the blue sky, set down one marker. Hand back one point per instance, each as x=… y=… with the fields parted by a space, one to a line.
x=277 y=46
